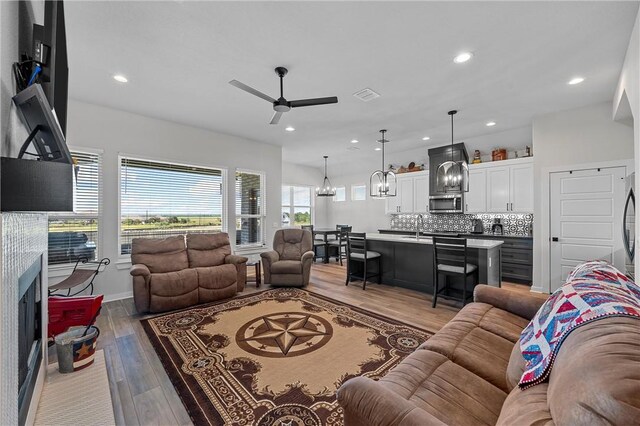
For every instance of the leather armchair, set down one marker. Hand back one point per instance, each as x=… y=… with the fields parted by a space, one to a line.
x=289 y=264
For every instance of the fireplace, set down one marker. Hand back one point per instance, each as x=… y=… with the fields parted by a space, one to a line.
x=29 y=335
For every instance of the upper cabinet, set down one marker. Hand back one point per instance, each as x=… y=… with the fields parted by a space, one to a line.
x=412 y=194
x=508 y=187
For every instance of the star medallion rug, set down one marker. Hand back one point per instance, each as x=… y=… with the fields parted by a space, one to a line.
x=276 y=357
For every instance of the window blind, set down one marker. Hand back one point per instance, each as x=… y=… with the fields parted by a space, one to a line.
x=249 y=208
x=158 y=200
x=73 y=235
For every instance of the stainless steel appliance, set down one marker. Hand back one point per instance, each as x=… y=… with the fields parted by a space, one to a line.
x=629 y=225
x=446 y=203
x=477 y=227
x=497 y=227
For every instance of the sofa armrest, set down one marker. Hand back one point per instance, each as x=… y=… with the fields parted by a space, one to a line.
x=307 y=261
x=240 y=262
x=307 y=256
x=139 y=270
x=270 y=256
x=235 y=259
x=367 y=402
x=523 y=305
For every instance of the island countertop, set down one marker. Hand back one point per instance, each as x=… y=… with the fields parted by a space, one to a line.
x=471 y=243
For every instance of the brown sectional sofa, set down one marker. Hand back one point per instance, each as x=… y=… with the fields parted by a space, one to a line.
x=468 y=373
x=169 y=274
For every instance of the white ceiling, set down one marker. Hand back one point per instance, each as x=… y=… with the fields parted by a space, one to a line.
x=179 y=57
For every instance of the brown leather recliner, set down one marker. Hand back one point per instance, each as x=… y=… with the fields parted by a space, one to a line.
x=169 y=274
x=289 y=264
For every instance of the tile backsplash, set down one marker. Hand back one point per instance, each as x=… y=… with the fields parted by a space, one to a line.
x=513 y=223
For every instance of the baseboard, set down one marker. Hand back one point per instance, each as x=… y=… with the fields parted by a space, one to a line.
x=37 y=392
x=537 y=290
x=117 y=296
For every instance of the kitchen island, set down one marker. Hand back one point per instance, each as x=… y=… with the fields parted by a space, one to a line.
x=408 y=262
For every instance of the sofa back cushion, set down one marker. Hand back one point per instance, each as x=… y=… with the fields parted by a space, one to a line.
x=160 y=254
x=515 y=368
x=207 y=249
x=291 y=244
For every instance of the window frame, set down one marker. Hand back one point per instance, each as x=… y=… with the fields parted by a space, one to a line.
x=358 y=185
x=123 y=155
x=263 y=210
x=100 y=216
x=335 y=199
x=292 y=206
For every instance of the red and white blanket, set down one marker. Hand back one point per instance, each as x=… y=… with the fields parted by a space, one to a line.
x=594 y=290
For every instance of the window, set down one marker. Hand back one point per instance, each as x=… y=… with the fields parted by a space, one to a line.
x=159 y=200
x=341 y=194
x=358 y=192
x=250 y=214
x=296 y=205
x=74 y=235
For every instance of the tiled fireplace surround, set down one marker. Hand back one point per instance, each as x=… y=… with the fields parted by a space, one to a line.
x=513 y=223
x=24 y=241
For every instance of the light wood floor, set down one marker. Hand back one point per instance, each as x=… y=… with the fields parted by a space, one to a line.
x=140 y=388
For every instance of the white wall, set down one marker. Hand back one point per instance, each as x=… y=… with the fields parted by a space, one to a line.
x=295 y=174
x=114 y=132
x=626 y=102
x=569 y=138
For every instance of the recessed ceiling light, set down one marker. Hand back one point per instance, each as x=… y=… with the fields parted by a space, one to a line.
x=289 y=129
x=120 y=78
x=576 y=80
x=354 y=141
x=378 y=148
x=491 y=123
x=426 y=138
x=462 y=57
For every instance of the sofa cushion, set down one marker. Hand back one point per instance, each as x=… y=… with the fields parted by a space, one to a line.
x=474 y=348
x=160 y=254
x=207 y=249
x=528 y=407
x=516 y=366
x=287 y=267
x=173 y=290
x=495 y=320
x=444 y=389
x=596 y=374
x=216 y=282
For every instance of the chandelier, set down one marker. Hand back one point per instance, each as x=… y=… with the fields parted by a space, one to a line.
x=382 y=183
x=326 y=190
x=453 y=175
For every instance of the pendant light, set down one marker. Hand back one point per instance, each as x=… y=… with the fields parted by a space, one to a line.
x=453 y=175
x=382 y=183
x=326 y=190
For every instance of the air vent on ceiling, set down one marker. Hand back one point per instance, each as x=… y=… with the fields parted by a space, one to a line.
x=365 y=95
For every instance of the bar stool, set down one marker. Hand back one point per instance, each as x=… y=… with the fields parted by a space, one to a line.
x=357 y=252
x=340 y=243
x=316 y=243
x=450 y=260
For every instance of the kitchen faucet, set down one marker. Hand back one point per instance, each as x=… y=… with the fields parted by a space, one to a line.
x=419 y=223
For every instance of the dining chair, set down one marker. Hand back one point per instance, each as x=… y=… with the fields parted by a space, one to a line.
x=450 y=260
x=340 y=243
x=357 y=252
x=316 y=242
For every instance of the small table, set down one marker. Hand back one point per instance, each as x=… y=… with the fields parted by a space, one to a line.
x=325 y=232
x=258 y=278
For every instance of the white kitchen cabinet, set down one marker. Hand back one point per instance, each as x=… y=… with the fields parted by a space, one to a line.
x=405 y=194
x=498 y=189
x=521 y=188
x=392 y=205
x=476 y=198
x=421 y=194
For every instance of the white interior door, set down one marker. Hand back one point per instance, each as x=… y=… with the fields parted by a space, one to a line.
x=585 y=219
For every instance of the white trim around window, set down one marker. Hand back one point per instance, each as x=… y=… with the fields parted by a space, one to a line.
x=341 y=194
x=358 y=187
x=262 y=208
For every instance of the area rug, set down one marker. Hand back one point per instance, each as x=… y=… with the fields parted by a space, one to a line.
x=276 y=357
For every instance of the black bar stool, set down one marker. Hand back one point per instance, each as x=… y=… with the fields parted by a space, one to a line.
x=340 y=243
x=357 y=252
x=450 y=259
x=316 y=243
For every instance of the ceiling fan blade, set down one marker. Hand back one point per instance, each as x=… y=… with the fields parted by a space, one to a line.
x=276 y=117
x=251 y=90
x=314 y=101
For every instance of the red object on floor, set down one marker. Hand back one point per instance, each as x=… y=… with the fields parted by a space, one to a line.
x=65 y=312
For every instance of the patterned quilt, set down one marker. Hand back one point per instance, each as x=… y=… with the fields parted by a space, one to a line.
x=594 y=290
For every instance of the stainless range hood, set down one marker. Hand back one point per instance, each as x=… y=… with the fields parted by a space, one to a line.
x=445 y=199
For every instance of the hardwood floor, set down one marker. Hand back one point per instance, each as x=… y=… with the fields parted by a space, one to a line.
x=140 y=389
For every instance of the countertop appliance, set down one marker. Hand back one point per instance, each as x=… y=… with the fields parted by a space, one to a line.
x=628 y=225
x=497 y=228
x=442 y=199
x=448 y=203
x=477 y=227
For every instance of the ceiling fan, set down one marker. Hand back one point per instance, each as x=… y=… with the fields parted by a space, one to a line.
x=281 y=105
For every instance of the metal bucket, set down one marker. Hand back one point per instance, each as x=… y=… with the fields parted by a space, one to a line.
x=74 y=350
